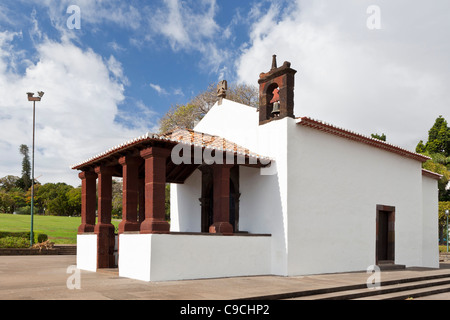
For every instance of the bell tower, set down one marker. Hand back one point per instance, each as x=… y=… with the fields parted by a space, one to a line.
x=276 y=92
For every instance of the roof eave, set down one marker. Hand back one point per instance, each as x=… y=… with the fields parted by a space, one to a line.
x=328 y=128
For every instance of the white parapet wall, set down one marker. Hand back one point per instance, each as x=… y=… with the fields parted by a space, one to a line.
x=87 y=252
x=167 y=257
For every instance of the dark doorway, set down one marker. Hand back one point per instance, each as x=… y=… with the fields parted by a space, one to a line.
x=207 y=199
x=385 y=242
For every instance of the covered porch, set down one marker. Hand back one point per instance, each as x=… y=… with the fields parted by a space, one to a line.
x=147 y=250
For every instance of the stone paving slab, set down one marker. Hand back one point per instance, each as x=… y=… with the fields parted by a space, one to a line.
x=45 y=278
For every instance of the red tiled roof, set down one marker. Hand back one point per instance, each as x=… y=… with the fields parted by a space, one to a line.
x=432 y=174
x=328 y=128
x=183 y=136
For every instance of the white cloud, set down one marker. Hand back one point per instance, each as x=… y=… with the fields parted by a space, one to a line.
x=158 y=88
x=191 y=26
x=162 y=91
x=76 y=117
x=388 y=81
x=115 y=68
x=186 y=24
x=94 y=12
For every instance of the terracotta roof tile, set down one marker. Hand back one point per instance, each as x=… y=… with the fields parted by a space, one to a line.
x=190 y=137
x=331 y=129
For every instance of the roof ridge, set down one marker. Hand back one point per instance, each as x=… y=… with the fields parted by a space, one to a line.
x=352 y=135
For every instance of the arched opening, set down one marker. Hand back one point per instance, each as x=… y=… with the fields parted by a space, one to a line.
x=271 y=98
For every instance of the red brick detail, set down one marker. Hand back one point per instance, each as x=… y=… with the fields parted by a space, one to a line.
x=282 y=78
x=88 y=201
x=130 y=193
x=221 y=205
x=155 y=190
x=104 y=229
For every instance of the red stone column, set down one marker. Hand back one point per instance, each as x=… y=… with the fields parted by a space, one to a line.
x=104 y=229
x=130 y=193
x=155 y=190
x=221 y=205
x=88 y=201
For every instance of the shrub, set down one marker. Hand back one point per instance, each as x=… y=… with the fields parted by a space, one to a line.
x=14 y=242
x=24 y=236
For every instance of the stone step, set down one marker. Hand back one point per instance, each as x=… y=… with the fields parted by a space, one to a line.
x=391 y=266
x=390 y=291
x=395 y=288
x=66 y=249
x=411 y=294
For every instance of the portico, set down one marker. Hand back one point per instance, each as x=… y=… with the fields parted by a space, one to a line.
x=146 y=164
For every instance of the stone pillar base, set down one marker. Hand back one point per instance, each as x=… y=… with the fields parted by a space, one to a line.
x=85 y=228
x=221 y=227
x=150 y=227
x=126 y=226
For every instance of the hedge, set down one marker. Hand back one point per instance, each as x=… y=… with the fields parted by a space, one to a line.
x=38 y=237
x=14 y=242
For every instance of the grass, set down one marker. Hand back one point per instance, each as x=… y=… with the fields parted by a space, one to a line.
x=60 y=230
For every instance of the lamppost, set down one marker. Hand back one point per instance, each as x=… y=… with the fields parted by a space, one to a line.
x=446 y=229
x=34 y=99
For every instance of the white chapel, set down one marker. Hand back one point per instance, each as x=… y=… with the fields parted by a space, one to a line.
x=260 y=192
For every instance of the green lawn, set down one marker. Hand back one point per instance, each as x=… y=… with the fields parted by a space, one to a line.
x=60 y=230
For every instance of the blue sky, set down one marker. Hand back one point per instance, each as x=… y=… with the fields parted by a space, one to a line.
x=116 y=76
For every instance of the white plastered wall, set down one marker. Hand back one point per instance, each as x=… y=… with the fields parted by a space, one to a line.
x=430 y=247
x=171 y=257
x=185 y=210
x=87 y=252
x=334 y=186
x=263 y=202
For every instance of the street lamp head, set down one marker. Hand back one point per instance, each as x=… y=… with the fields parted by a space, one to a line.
x=31 y=96
x=447 y=212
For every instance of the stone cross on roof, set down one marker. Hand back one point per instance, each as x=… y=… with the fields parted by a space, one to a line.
x=222 y=88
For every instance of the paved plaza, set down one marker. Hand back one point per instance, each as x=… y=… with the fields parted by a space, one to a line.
x=53 y=278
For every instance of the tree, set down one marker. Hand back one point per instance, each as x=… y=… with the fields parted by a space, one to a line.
x=379 y=137
x=432 y=165
x=11 y=199
x=186 y=116
x=438 y=139
x=443 y=205
x=6 y=202
x=57 y=199
x=8 y=183
x=180 y=116
x=26 y=167
x=438 y=148
x=74 y=201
